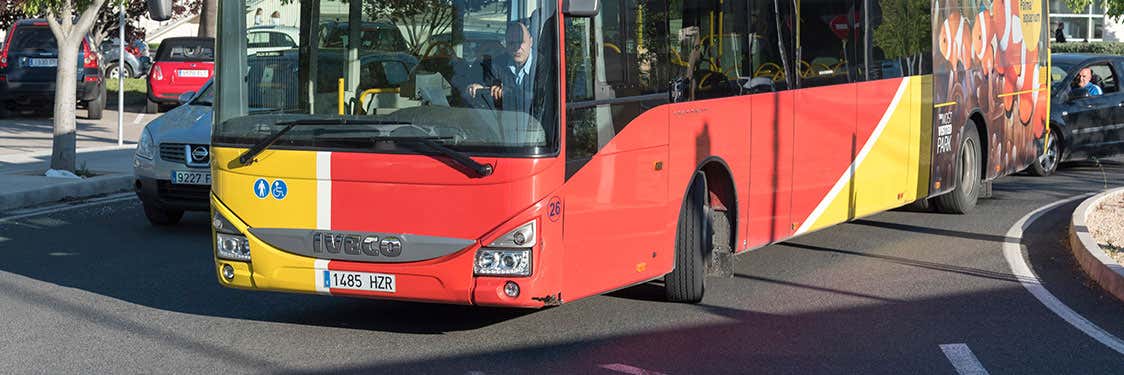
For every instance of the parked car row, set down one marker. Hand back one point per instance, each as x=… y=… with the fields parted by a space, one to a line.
x=29 y=66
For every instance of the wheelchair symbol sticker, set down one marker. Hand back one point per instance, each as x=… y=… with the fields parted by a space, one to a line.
x=279 y=189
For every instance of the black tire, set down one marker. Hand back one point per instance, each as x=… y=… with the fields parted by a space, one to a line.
x=95 y=107
x=686 y=283
x=920 y=205
x=4 y=112
x=127 y=71
x=1047 y=163
x=963 y=198
x=151 y=106
x=161 y=217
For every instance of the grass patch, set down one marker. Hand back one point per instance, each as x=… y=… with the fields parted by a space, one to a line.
x=135 y=91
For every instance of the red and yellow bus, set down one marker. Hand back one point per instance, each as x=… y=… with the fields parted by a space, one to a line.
x=527 y=153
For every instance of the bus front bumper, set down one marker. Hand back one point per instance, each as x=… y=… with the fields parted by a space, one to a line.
x=447 y=279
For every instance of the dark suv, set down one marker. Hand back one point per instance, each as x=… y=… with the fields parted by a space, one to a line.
x=29 y=65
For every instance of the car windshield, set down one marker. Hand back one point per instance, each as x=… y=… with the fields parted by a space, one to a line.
x=207 y=97
x=33 y=38
x=187 y=50
x=480 y=77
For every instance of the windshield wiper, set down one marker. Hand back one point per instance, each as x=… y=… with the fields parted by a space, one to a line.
x=247 y=157
x=461 y=158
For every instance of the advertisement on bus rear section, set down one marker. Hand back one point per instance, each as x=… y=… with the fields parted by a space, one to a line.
x=991 y=60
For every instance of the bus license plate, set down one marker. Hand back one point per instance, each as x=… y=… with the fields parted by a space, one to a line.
x=193 y=73
x=373 y=282
x=191 y=178
x=42 y=63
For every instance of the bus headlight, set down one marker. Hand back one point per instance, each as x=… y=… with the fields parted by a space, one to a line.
x=232 y=247
x=495 y=262
x=508 y=255
x=229 y=242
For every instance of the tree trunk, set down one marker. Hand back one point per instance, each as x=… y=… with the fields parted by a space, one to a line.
x=63 y=147
x=68 y=36
x=208 y=15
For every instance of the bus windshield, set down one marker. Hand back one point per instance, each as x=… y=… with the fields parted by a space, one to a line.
x=478 y=76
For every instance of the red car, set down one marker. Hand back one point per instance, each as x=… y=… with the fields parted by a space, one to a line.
x=182 y=65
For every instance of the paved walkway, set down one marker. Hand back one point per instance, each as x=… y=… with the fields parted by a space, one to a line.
x=25 y=154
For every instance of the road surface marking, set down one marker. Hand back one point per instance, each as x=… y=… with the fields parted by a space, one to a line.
x=1012 y=250
x=626 y=369
x=67 y=206
x=963 y=360
x=137 y=120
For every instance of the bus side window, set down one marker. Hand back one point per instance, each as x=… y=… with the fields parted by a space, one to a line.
x=718 y=48
x=828 y=48
x=900 y=39
x=766 y=71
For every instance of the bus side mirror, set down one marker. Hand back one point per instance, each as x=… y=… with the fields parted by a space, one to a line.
x=580 y=8
x=160 y=10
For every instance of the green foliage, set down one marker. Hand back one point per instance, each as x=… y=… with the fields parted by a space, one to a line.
x=1114 y=8
x=419 y=18
x=904 y=31
x=1107 y=48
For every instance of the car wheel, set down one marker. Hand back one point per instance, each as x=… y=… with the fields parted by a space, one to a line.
x=1047 y=163
x=160 y=216
x=686 y=283
x=114 y=71
x=95 y=107
x=962 y=199
x=151 y=106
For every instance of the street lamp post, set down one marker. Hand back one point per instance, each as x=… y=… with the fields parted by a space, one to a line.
x=121 y=79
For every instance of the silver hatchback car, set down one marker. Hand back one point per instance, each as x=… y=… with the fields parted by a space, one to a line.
x=172 y=164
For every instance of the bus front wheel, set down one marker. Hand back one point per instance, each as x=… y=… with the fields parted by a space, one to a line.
x=686 y=283
x=963 y=198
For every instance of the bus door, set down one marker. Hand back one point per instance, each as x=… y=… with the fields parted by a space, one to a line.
x=617 y=220
x=826 y=138
x=769 y=83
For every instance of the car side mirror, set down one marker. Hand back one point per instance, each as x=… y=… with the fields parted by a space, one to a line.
x=160 y=10
x=581 y=8
x=186 y=97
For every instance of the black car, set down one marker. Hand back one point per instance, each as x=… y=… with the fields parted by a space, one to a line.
x=29 y=65
x=1083 y=126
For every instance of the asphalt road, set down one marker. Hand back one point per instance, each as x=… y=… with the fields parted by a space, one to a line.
x=95 y=289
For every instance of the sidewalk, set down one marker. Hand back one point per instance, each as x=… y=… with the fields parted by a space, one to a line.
x=25 y=154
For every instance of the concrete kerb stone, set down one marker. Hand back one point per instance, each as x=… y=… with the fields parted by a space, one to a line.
x=76 y=189
x=39 y=190
x=1096 y=263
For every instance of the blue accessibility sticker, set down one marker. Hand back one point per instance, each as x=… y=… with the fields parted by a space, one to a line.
x=261 y=188
x=279 y=189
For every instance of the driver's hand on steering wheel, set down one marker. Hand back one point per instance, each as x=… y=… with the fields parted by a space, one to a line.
x=496 y=91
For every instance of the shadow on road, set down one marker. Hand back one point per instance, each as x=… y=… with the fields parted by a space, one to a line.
x=114 y=252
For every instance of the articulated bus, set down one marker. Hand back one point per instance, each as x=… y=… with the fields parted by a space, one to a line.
x=527 y=153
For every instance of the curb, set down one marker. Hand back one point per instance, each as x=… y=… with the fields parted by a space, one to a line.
x=1102 y=269
x=99 y=185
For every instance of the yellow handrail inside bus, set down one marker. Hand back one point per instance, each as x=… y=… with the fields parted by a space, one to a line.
x=341 y=97
x=385 y=90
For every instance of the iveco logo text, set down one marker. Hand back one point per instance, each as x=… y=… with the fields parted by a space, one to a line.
x=199 y=153
x=355 y=244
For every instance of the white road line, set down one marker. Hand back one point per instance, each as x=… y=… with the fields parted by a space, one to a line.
x=626 y=369
x=137 y=120
x=963 y=360
x=68 y=206
x=1012 y=250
